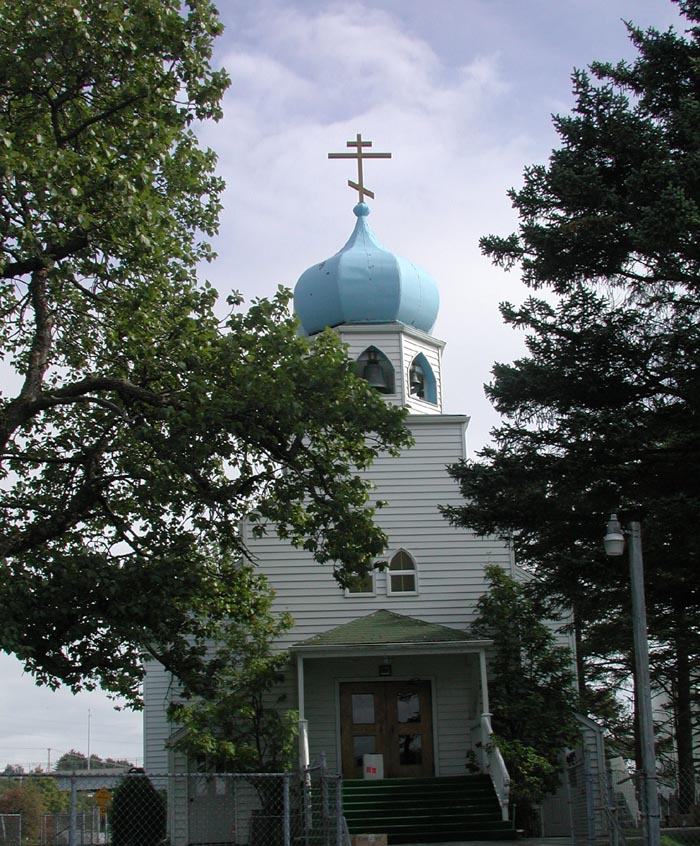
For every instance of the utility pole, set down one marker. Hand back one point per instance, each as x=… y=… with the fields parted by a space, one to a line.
x=643 y=683
x=614 y=545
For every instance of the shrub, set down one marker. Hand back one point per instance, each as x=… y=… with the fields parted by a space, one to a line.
x=138 y=815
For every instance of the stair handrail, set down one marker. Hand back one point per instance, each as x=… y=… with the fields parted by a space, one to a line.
x=496 y=766
x=347 y=840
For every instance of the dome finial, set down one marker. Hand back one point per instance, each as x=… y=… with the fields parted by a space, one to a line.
x=359 y=144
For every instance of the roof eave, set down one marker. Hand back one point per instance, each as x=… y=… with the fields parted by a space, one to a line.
x=343 y=650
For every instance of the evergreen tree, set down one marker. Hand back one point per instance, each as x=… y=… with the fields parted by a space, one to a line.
x=532 y=688
x=604 y=410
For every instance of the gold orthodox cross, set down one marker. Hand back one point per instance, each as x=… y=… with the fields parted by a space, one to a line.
x=360 y=155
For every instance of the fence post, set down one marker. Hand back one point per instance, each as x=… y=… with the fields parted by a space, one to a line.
x=570 y=799
x=307 y=787
x=338 y=811
x=590 y=814
x=287 y=812
x=73 y=811
x=325 y=806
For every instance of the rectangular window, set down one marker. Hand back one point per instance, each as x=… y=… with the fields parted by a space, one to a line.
x=361 y=585
x=403 y=583
x=362 y=709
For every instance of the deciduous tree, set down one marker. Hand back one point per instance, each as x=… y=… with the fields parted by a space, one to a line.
x=235 y=720
x=140 y=425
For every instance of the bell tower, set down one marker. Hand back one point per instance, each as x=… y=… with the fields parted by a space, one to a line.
x=383 y=306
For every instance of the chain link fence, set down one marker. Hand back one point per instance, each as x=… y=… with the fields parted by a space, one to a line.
x=10 y=829
x=188 y=809
x=679 y=798
x=607 y=807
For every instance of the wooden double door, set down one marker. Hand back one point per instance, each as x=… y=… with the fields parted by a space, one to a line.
x=391 y=718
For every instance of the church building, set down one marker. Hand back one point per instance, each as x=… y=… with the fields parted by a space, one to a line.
x=384 y=675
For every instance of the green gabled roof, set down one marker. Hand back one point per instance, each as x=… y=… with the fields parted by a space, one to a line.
x=383 y=628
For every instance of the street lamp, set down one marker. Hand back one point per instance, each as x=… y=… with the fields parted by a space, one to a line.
x=614 y=542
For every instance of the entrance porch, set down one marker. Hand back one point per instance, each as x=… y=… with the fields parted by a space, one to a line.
x=413 y=692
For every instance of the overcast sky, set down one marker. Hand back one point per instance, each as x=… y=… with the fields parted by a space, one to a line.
x=461 y=93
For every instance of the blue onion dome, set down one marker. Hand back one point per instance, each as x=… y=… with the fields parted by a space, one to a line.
x=365 y=283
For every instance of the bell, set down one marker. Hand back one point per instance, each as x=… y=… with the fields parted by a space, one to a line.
x=374 y=374
x=417 y=381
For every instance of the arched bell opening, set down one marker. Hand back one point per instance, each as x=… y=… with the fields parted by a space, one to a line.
x=376 y=368
x=421 y=380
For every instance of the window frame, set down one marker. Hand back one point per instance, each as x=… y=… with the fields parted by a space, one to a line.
x=366 y=593
x=403 y=572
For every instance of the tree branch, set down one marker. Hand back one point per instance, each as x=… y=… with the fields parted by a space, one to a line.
x=53 y=253
x=78 y=506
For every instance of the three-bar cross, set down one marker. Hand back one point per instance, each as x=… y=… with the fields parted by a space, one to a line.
x=360 y=155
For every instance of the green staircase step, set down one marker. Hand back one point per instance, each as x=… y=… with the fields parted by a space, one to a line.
x=426 y=810
x=491 y=806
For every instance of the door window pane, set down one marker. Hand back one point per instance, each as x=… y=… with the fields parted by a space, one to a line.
x=363 y=745
x=408 y=707
x=362 y=709
x=410 y=749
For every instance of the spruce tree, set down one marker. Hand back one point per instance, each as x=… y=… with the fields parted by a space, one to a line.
x=604 y=409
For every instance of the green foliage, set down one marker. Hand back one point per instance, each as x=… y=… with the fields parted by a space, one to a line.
x=54 y=800
x=533 y=776
x=143 y=426
x=237 y=722
x=604 y=410
x=532 y=686
x=138 y=813
x=74 y=760
x=25 y=798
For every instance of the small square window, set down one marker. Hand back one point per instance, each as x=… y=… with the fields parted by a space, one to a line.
x=403 y=583
x=363 y=585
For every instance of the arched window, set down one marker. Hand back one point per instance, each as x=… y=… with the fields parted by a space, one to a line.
x=403 y=575
x=421 y=380
x=376 y=368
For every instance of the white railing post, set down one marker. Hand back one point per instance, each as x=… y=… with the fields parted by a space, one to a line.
x=303 y=744
x=304 y=765
x=496 y=766
x=485 y=740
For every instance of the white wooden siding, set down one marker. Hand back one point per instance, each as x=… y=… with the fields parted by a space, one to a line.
x=450 y=565
x=450 y=561
x=157 y=687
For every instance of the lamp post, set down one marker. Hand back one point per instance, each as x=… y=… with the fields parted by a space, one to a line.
x=614 y=541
